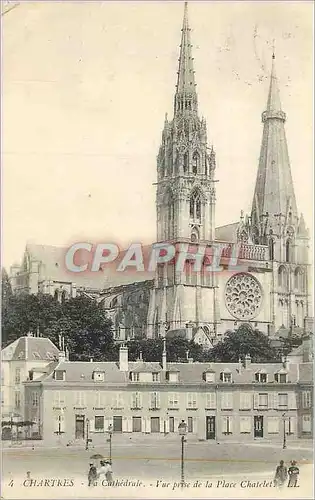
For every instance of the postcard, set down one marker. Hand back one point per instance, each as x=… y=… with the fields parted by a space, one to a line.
x=157 y=273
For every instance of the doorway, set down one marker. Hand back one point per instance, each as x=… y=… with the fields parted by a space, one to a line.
x=210 y=427
x=258 y=426
x=117 y=424
x=136 y=424
x=155 y=424
x=79 y=426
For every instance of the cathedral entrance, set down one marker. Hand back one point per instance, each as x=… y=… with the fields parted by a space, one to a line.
x=210 y=427
x=258 y=426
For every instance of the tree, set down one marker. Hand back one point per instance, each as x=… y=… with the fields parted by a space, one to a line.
x=81 y=321
x=177 y=349
x=244 y=340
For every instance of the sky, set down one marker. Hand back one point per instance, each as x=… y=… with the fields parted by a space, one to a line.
x=85 y=88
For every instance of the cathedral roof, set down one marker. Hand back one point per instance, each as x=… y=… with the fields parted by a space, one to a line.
x=227 y=232
x=274 y=191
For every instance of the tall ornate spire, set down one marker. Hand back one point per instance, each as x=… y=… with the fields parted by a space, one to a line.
x=185 y=96
x=274 y=192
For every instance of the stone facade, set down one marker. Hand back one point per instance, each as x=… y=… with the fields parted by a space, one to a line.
x=272 y=291
x=221 y=402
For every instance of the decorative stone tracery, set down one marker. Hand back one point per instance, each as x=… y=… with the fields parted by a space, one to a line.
x=243 y=296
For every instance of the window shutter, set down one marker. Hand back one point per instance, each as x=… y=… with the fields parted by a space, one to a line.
x=273 y=425
x=292 y=401
x=230 y=424
x=211 y=400
x=140 y=399
x=256 y=401
x=143 y=424
x=107 y=422
x=195 y=425
x=224 y=424
x=292 y=427
x=270 y=400
x=245 y=401
x=162 y=420
x=158 y=399
x=129 y=424
x=275 y=400
x=92 y=425
x=124 y=424
x=245 y=424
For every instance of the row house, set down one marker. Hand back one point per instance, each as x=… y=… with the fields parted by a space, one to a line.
x=222 y=402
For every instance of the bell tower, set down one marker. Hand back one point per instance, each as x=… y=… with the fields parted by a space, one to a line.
x=185 y=207
x=185 y=199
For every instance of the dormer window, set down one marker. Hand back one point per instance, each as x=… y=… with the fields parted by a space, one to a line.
x=209 y=377
x=226 y=377
x=98 y=376
x=155 y=377
x=59 y=375
x=281 y=378
x=172 y=376
x=134 y=376
x=261 y=377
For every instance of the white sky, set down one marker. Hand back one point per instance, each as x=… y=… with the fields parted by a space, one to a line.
x=85 y=89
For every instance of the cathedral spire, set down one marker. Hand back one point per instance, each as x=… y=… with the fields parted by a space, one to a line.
x=274 y=192
x=185 y=96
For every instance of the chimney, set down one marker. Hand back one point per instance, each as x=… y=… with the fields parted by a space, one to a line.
x=61 y=356
x=67 y=354
x=306 y=346
x=123 y=358
x=189 y=331
x=190 y=360
x=247 y=361
x=240 y=365
x=91 y=360
x=285 y=362
x=164 y=358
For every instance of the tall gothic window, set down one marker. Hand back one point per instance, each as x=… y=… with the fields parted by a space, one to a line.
x=288 y=251
x=185 y=162
x=195 y=207
x=195 y=162
x=283 y=278
x=271 y=249
x=171 y=219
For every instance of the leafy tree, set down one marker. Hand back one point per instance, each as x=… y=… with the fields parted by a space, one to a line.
x=81 y=321
x=177 y=349
x=244 y=340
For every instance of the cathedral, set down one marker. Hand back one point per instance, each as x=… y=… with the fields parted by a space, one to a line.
x=270 y=291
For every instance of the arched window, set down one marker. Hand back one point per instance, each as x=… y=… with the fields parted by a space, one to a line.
x=195 y=207
x=282 y=278
x=271 y=249
x=56 y=295
x=185 y=162
x=299 y=282
x=288 y=251
x=63 y=296
x=195 y=162
x=171 y=218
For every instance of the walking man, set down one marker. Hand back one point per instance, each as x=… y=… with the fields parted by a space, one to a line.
x=281 y=474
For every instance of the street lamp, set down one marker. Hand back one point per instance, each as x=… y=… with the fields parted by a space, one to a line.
x=110 y=434
x=88 y=440
x=182 y=432
x=284 y=433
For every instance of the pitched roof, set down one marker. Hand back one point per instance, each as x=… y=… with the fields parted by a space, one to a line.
x=189 y=373
x=226 y=232
x=30 y=349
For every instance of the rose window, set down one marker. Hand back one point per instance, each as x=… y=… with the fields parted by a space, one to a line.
x=243 y=296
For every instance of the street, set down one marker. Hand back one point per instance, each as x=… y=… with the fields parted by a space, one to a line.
x=155 y=465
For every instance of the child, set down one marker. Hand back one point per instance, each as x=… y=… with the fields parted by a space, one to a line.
x=293 y=472
x=92 y=475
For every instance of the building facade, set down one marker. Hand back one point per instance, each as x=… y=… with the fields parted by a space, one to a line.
x=25 y=354
x=219 y=402
x=272 y=292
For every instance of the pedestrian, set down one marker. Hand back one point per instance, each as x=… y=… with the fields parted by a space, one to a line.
x=293 y=472
x=281 y=474
x=109 y=473
x=105 y=470
x=92 y=475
